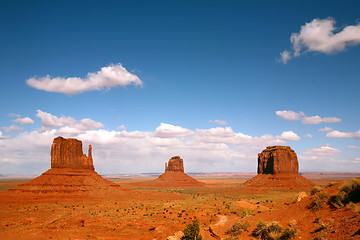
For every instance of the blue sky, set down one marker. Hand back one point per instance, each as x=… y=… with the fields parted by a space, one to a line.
x=143 y=81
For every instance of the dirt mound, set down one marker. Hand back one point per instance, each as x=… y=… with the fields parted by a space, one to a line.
x=279 y=182
x=65 y=180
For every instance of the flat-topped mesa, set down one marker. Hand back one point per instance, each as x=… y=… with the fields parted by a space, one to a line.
x=68 y=153
x=176 y=164
x=278 y=160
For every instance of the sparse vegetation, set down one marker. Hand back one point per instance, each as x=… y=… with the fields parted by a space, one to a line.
x=237 y=229
x=318 y=203
x=349 y=192
x=315 y=190
x=192 y=231
x=273 y=231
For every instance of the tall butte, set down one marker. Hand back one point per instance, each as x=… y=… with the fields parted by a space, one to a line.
x=278 y=168
x=71 y=172
x=174 y=175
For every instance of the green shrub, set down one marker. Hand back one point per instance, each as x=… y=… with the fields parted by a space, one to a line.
x=273 y=231
x=237 y=228
x=318 y=202
x=289 y=233
x=268 y=230
x=192 y=231
x=349 y=192
x=315 y=190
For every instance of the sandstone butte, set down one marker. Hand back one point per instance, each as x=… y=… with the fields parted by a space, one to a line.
x=71 y=172
x=278 y=168
x=174 y=176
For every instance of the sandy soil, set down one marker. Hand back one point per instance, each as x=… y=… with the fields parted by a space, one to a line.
x=140 y=212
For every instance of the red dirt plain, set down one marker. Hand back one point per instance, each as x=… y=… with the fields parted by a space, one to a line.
x=137 y=211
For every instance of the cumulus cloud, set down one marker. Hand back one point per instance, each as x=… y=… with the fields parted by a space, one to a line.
x=24 y=121
x=338 y=134
x=48 y=120
x=294 y=116
x=170 y=131
x=289 y=136
x=289 y=115
x=108 y=77
x=321 y=35
x=325 y=129
x=308 y=135
x=122 y=151
x=322 y=151
x=2 y=136
x=68 y=125
x=220 y=122
x=12 y=128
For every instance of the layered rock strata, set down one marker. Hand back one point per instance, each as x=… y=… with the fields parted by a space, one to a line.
x=278 y=168
x=278 y=159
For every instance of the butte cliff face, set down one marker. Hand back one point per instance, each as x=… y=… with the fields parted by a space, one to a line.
x=68 y=153
x=278 y=160
x=175 y=164
x=278 y=168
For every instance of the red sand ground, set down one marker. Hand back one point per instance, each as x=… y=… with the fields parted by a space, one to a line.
x=112 y=212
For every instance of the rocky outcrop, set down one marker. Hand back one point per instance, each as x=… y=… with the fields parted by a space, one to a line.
x=173 y=176
x=68 y=153
x=72 y=172
x=278 y=168
x=176 y=164
x=278 y=160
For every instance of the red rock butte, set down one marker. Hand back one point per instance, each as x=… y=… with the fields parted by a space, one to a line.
x=68 y=153
x=278 y=159
x=173 y=176
x=71 y=172
x=278 y=168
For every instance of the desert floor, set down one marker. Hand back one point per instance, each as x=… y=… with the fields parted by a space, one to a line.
x=157 y=213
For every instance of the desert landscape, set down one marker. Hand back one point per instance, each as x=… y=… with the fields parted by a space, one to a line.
x=72 y=201
x=179 y=120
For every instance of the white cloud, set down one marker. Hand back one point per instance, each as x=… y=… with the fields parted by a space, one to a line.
x=325 y=129
x=68 y=125
x=121 y=151
x=24 y=121
x=320 y=35
x=289 y=136
x=14 y=115
x=322 y=151
x=108 y=77
x=122 y=128
x=220 y=122
x=170 y=131
x=353 y=147
x=317 y=120
x=48 y=120
x=12 y=128
x=308 y=135
x=294 y=116
x=338 y=134
x=3 y=136
x=285 y=56
x=289 y=115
